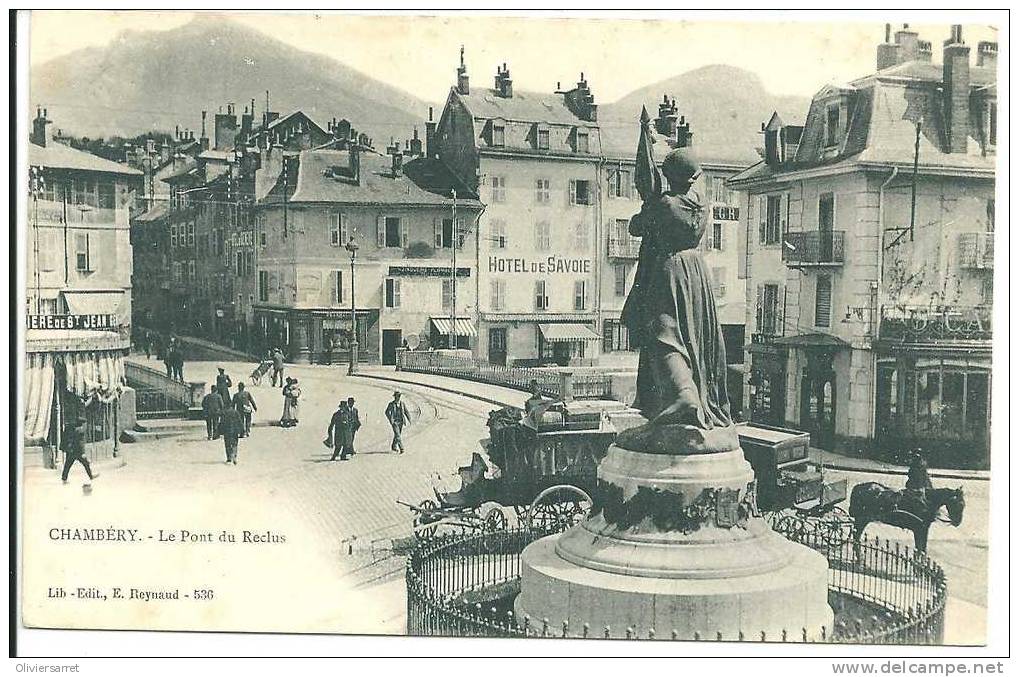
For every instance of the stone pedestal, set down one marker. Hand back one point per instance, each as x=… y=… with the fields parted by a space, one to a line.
x=675 y=543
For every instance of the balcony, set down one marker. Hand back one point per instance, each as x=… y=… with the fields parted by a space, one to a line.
x=815 y=249
x=976 y=251
x=623 y=247
x=934 y=324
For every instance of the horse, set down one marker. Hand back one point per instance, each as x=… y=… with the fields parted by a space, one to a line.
x=905 y=508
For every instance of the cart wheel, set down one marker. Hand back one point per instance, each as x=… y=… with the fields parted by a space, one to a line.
x=495 y=520
x=424 y=517
x=558 y=508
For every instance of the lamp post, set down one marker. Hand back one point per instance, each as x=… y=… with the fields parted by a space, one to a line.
x=351 y=247
x=452 y=286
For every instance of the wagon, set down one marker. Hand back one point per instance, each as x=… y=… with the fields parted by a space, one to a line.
x=543 y=466
x=792 y=496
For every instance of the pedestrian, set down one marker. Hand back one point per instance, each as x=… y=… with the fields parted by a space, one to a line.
x=277 y=368
x=212 y=407
x=244 y=403
x=73 y=446
x=231 y=427
x=337 y=433
x=355 y=422
x=223 y=384
x=291 y=394
x=178 y=364
x=398 y=417
x=168 y=361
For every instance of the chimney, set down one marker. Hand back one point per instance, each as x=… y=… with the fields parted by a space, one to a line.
x=503 y=82
x=463 y=83
x=684 y=137
x=908 y=44
x=42 y=133
x=887 y=51
x=150 y=146
x=923 y=51
x=176 y=132
x=415 y=145
x=580 y=101
x=773 y=140
x=204 y=140
x=247 y=120
x=225 y=129
x=430 y=148
x=397 y=158
x=987 y=54
x=956 y=86
x=668 y=118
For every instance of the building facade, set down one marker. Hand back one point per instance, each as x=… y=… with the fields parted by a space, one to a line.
x=868 y=240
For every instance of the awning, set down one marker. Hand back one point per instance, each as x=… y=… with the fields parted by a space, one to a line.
x=38 y=388
x=462 y=326
x=564 y=333
x=93 y=302
x=811 y=340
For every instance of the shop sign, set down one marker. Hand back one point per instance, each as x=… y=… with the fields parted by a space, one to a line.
x=91 y=321
x=552 y=264
x=423 y=271
x=244 y=238
x=723 y=213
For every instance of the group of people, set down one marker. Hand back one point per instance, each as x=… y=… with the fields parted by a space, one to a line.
x=228 y=417
x=346 y=421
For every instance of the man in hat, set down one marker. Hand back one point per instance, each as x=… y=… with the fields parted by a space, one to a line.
x=223 y=384
x=212 y=407
x=73 y=445
x=232 y=428
x=355 y=423
x=339 y=429
x=277 y=368
x=244 y=403
x=398 y=417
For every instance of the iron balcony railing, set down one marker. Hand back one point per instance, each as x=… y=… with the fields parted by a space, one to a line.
x=935 y=323
x=623 y=247
x=816 y=248
x=976 y=250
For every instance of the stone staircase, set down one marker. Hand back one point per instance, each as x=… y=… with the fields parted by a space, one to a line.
x=161 y=429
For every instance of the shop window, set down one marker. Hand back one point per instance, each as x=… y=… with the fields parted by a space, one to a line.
x=978 y=390
x=928 y=402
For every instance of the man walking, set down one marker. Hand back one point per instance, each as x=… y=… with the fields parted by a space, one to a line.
x=338 y=432
x=223 y=384
x=277 y=367
x=355 y=422
x=212 y=407
x=73 y=445
x=398 y=416
x=244 y=403
x=231 y=428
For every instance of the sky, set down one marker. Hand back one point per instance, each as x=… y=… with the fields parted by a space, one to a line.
x=792 y=53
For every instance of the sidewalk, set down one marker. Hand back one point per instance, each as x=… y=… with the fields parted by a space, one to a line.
x=849 y=463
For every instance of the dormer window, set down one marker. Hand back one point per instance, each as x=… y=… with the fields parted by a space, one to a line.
x=583 y=141
x=498 y=135
x=833 y=126
x=542 y=139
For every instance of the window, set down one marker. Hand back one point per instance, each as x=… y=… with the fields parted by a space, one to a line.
x=47 y=306
x=717 y=242
x=620 y=271
x=620 y=184
x=263 y=239
x=542 y=236
x=49 y=250
x=392 y=292
x=240 y=264
x=83 y=192
x=583 y=142
x=263 y=286
x=391 y=232
x=542 y=139
x=540 y=295
x=615 y=336
x=447 y=295
x=542 y=194
x=337 y=230
x=107 y=196
x=822 y=301
x=987 y=291
x=498 y=234
x=173 y=237
x=191 y=235
x=580 y=295
x=498 y=135
x=580 y=192
x=768 y=310
x=498 y=189
x=990 y=215
x=52 y=190
x=826 y=212
x=444 y=233
x=191 y=270
x=82 y=257
x=336 y=291
x=771 y=224
x=497 y=296
x=718 y=275
x=621 y=229
x=581 y=241
x=832 y=131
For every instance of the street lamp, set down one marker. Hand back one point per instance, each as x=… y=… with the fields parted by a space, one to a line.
x=351 y=247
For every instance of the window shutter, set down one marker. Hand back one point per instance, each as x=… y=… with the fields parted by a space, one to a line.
x=627 y=184
x=573 y=191
x=780 y=311
x=396 y=293
x=437 y=231
x=380 y=231
x=459 y=232
x=404 y=234
x=762 y=218
x=760 y=308
x=335 y=286
x=610 y=176
x=334 y=230
x=721 y=239
x=344 y=236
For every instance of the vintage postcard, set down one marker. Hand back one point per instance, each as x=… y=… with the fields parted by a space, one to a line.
x=636 y=326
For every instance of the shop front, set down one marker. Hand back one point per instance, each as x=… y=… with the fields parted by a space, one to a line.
x=447 y=333
x=767 y=383
x=567 y=344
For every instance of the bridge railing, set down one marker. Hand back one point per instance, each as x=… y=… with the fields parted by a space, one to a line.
x=160 y=396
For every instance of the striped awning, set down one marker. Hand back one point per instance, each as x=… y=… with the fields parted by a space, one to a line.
x=563 y=333
x=462 y=327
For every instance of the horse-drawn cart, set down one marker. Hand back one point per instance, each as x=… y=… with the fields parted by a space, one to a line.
x=541 y=465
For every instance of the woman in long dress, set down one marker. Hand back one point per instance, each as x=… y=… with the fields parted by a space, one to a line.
x=670 y=311
x=291 y=394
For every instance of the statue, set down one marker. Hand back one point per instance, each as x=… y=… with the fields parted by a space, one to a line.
x=671 y=316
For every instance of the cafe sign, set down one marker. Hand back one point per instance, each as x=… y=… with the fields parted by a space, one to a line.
x=93 y=321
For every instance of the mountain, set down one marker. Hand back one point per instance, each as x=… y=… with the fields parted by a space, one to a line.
x=144 y=81
x=724 y=105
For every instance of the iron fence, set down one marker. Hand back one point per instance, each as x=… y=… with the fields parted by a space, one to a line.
x=559 y=384
x=156 y=395
x=814 y=248
x=463 y=586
